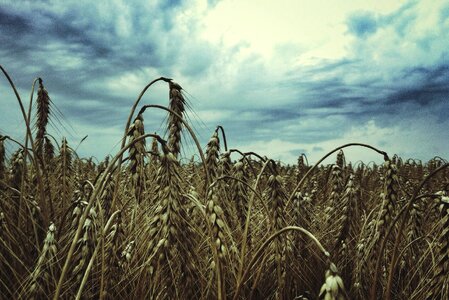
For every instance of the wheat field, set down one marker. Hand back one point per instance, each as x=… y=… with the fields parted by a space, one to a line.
x=147 y=224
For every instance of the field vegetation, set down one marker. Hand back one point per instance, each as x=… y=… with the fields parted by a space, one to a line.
x=146 y=223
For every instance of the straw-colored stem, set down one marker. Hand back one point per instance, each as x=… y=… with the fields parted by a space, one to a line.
x=326 y=156
x=195 y=139
x=265 y=244
x=94 y=195
x=91 y=262
x=406 y=210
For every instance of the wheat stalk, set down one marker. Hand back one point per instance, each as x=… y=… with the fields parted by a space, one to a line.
x=438 y=288
x=42 y=276
x=276 y=198
x=2 y=160
x=112 y=272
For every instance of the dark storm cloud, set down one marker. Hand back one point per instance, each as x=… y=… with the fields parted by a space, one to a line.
x=98 y=43
x=430 y=87
x=361 y=87
x=332 y=94
x=326 y=67
x=346 y=89
x=52 y=37
x=330 y=88
x=36 y=29
x=11 y=26
x=11 y=23
x=362 y=24
x=278 y=114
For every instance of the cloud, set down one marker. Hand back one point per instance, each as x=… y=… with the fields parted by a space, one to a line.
x=14 y=23
x=429 y=86
x=400 y=139
x=362 y=24
x=286 y=80
x=195 y=61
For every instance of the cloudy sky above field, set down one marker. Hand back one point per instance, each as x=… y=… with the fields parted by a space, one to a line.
x=282 y=77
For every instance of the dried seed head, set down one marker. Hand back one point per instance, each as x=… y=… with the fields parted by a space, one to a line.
x=333 y=287
x=341 y=159
x=43 y=114
x=224 y=164
x=39 y=279
x=127 y=254
x=137 y=156
x=390 y=193
x=215 y=214
x=212 y=153
x=175 y=126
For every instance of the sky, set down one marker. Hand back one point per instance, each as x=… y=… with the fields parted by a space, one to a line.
x=282 y=77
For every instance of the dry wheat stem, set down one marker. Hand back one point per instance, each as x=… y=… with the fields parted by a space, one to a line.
x=91 y=261
x=128 y=122
x=405 y=209
x=326 y=156
x=195 y=139
x=224 y=137
x=94 y=195
x=265 y=244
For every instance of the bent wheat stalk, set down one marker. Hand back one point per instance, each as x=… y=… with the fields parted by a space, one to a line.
x=394 y=258
x=128 y=123
x=195 y=139
x=323 y=158
x=267 y=242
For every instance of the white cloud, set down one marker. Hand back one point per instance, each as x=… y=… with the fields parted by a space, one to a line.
x=315 y=26
x=411 y=37
x=214 y=116
x=63 y=58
